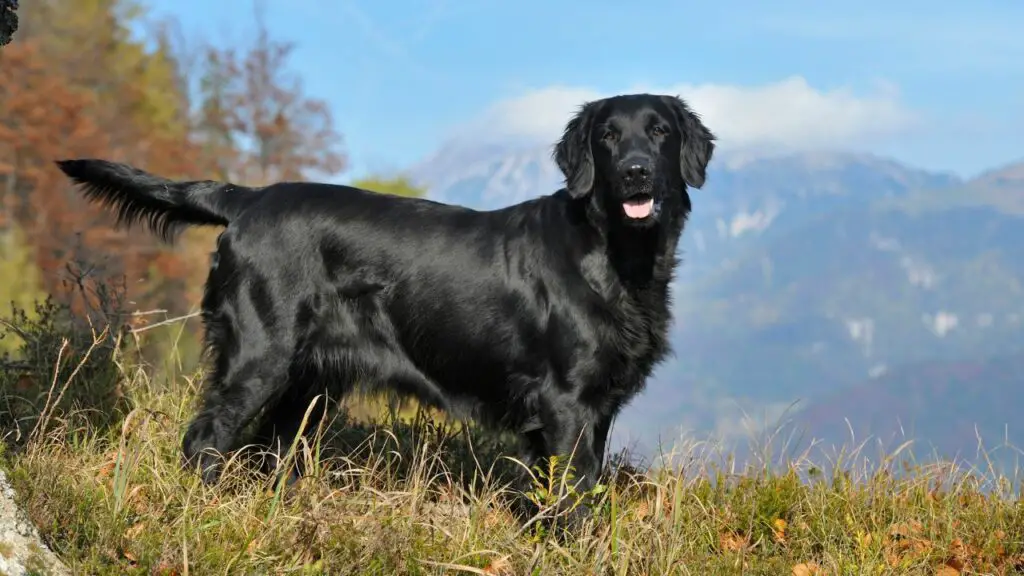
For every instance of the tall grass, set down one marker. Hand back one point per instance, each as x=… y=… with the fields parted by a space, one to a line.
x=425 y=496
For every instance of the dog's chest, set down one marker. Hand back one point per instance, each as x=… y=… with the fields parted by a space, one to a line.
x=634 y=320
x=637 y=337
x=642 y=323
x=633 y=340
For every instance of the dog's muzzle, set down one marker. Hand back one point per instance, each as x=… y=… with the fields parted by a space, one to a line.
x=636 y=176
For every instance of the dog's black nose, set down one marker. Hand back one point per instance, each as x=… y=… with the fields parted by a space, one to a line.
x=636 y=171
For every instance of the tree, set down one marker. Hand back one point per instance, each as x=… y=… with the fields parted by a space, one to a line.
x=77 y=85
x=216 y=122
x=398 y=185
x=253 y=98
x=31 y=136
x=137 y=97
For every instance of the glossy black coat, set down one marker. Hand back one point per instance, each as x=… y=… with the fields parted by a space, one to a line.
x=543 y=318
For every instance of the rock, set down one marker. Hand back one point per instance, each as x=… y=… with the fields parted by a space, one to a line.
x=22 y=551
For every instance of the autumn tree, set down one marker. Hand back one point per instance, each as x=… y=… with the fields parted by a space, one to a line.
x=139 y=104
x=252 y=104
x=41 y=118
x=216 y=121
x=77 y=84
x=398 y=185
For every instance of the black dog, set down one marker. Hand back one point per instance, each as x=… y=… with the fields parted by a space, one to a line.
x=544 y=318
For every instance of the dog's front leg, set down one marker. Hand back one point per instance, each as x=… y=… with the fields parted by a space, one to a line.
x=601 y=430
x=574 y=436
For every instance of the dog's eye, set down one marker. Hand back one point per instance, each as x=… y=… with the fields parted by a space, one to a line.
x=659 y=130
x=609 y=136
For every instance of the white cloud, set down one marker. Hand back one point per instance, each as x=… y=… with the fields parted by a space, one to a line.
x=788 y=115
x=756 y=221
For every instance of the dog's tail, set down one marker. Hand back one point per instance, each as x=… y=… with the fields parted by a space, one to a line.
x=165 y=205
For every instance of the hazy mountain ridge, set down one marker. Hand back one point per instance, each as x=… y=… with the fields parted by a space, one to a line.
x=1001 y=187
x=490 y=176
x=854 y=294
x=809 y=274
x=978 y=399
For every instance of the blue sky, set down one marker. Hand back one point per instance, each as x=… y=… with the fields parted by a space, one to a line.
x=939 y=84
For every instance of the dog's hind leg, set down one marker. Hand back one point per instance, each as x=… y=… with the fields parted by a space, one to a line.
x=283 y=421
x=244 y=380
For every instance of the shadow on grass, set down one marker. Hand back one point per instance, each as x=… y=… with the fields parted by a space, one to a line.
x=408 y=446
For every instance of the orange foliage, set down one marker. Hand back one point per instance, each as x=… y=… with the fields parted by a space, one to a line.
x=43 y=119
x=78 y=87
x=252 y=97
x=46 y=118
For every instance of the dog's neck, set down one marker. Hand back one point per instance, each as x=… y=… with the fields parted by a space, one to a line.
x=641 y=257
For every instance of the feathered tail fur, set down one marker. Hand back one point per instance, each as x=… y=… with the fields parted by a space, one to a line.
x=164 y=205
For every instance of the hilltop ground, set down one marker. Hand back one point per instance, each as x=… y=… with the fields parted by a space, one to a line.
x=93 y=453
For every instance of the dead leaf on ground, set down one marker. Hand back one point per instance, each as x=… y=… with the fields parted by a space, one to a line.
x=779 y=530
x=131 y=558
x=807 y=569
x=906 y=529
x=165 y=569
x=643 y=510
x=499 y=567
x=732 y=542
x=133 y=532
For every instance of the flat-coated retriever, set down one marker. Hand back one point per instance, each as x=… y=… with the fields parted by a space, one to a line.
x=543 y=318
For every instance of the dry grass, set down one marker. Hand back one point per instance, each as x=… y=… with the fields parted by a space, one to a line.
x=415 y=499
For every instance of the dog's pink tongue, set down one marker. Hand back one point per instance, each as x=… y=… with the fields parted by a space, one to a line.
x=641 y=209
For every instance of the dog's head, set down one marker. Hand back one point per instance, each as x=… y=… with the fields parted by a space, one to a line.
x=636 y=154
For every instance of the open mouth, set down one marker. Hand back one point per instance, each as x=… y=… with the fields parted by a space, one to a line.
x=639 y=206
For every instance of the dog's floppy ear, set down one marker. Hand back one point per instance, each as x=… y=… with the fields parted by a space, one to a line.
x=573 y=154
x=698 y=143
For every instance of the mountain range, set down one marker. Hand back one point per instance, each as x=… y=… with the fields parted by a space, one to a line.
x=855 y=291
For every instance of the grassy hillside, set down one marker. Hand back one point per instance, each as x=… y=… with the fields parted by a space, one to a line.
x=106 y=490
